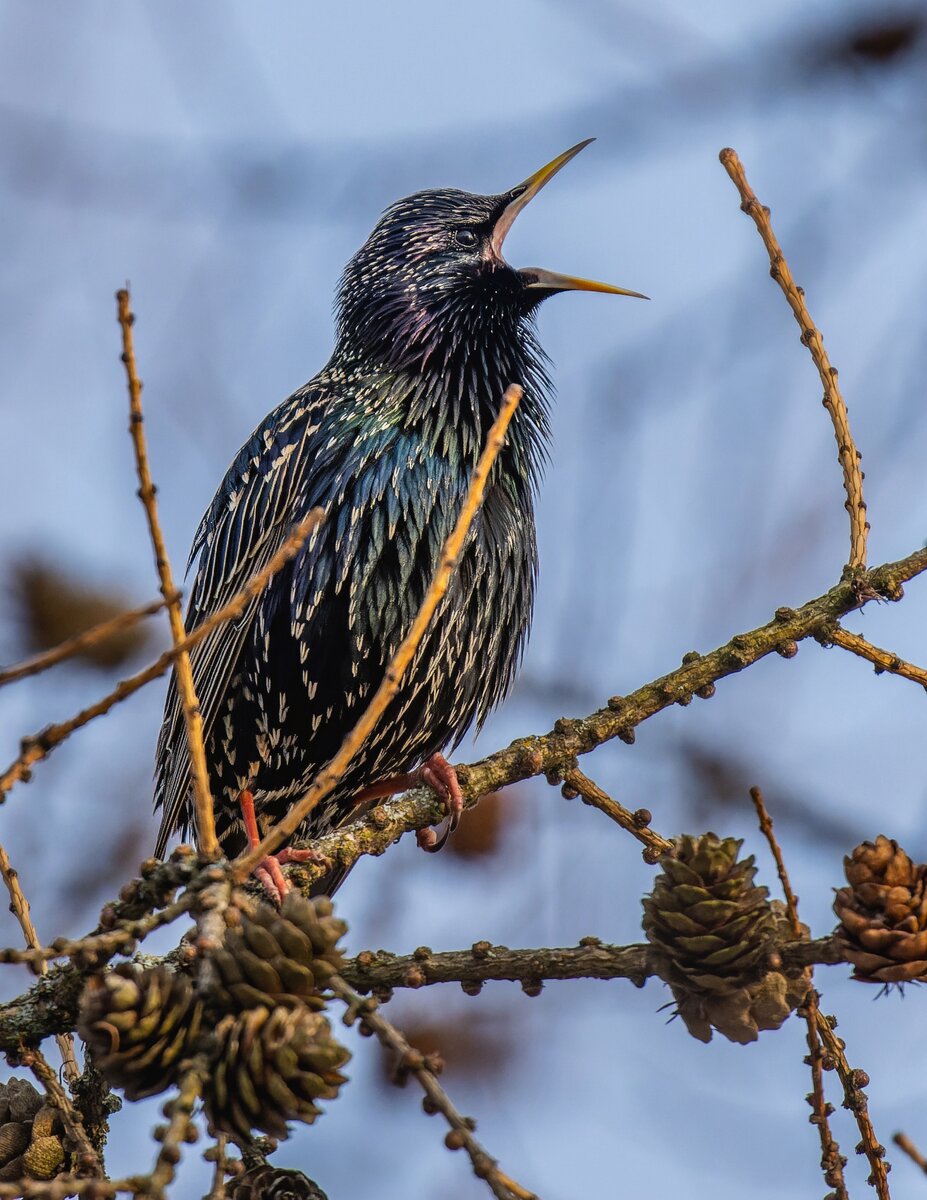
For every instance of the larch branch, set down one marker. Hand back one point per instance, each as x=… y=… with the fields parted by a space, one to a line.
x=555 y=752
x=883 y=660
x=636 y=823
x=193 y=720
x=847 y=453
x=19 y=907
x=832 y=1161
x=413 y=1062
x=81 y=642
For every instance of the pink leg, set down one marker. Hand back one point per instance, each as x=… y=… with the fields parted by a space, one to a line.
x=438 y=774
x=269 y=871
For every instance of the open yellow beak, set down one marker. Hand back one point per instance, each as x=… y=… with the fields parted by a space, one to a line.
x=538 y=277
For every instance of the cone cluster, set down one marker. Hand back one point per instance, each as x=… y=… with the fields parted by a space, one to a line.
x=883 y=914
x=712 y=926
x=254 y=1012
x=31 y=1144
x=273 y=1183
x=139 y=1025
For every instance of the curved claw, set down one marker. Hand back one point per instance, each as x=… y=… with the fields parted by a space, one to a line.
x=441 y=777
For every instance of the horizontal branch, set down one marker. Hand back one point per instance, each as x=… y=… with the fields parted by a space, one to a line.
x=50 y=1005
x=555 y=753
x=591 y=959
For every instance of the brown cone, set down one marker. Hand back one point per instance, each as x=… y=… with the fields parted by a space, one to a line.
x=139 y=1025
x=270 y=1067
x=270 y=958
x=712 y=927
x=883 y=914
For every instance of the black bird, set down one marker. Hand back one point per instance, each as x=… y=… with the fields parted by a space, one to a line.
x=432 y=326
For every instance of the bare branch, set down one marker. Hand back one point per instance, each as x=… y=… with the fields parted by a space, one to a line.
x=81 y=642
x=903 y=1142
x=847 y=453
x=854 y=1080
x=766 y=827
x=884 y=660
x=636 y=823
x=199 y=772
x=19 y=906
x=51 y=1004
x=832 y=1161
x=174 y=1136
x=556 y=752
x=413 y=1062
x=328 y=777
x=88 y=1159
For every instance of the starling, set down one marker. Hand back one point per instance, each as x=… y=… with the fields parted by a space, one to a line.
x=432 y=326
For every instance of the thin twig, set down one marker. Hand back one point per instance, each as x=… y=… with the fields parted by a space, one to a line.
x=64 y=1186
x=97 y=946
x=181 y=1110
x=847 y=453
x=903 y=1142
x=87 y=1158
x=328 y=777
x=38 y=746
x=766 y=828
x=19 y=906
x=883 y=660
x=411 y=1061
x=80 y=642
x=637 y=824
x=832 y=1161
x=854 y=1080
x=218 y=1190
x=193 y=719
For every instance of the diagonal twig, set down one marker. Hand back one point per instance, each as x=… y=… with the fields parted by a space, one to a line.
x=79 y=643
x=88 y=1159
x=636 y=823
x=825 y=1049
x=199 y=773
x=328 y=777
x=40 y=745
x=181 y=1110
x=847 y=453
x=413 y=1062
x=903 y=1142
x=19 y=906
x=883 y=660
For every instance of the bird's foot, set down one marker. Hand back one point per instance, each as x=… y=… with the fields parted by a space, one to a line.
x=438 y=774
x=441 y=777
x=270 y=875
x=269 y=871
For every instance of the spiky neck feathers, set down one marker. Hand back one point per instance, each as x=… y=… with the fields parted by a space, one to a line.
x=425 y=301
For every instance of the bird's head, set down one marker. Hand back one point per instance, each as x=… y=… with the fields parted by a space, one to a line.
x=432 y=273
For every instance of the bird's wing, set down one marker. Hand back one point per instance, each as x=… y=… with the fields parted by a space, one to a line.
x=255 y=507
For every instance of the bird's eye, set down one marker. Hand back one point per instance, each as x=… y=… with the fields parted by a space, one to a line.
x=466 y=237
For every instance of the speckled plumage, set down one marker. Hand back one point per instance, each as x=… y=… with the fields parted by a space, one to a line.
x=432 y=325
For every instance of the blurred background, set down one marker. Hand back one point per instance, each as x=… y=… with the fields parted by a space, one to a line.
x=226 y=159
